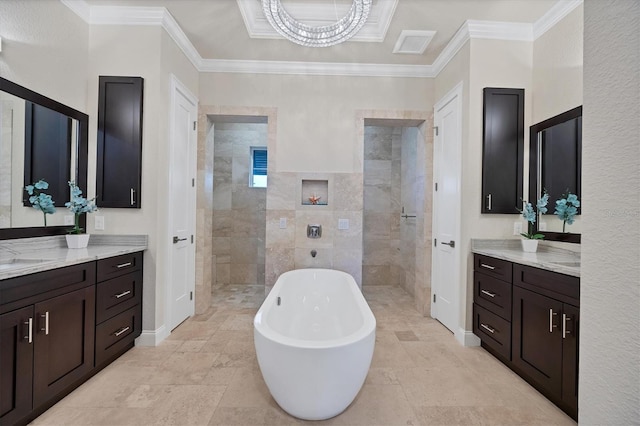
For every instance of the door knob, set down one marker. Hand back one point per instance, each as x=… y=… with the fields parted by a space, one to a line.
x=176 y=240
x=451 y=244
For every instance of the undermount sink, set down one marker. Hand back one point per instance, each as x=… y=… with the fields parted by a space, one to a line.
x=571 y=263
x=19 y=263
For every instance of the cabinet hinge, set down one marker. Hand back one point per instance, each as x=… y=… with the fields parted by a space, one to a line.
x=435 y=129
x=190 y=295
x=194 y=125
x=434 y=298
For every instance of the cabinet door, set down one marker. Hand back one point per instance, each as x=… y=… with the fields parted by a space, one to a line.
x=537 y=339
x=119 y=141
x=16 y=365
x=63 y=342
x=570 y=344
x=502 y=150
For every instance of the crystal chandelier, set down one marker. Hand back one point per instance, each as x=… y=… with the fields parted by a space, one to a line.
x=321 y=36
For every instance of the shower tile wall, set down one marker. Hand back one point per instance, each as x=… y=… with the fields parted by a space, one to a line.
x=238 y=226
x=389 y=185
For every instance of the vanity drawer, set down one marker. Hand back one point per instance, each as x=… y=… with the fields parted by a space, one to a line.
x=564 y=288
x=115 y=334
x=117 y=295
x=119 y=265
x=492 y=294
x=495 y=332
x=500 y=269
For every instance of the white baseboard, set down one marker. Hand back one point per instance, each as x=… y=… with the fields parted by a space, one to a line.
x=467 y=338
x=152 y=337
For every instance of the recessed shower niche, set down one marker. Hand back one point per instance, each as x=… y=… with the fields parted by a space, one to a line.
x=314 y=192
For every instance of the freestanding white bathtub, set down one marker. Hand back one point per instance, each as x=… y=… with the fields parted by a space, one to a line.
x=314 y=336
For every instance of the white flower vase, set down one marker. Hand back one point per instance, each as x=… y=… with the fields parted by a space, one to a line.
x=77 y=241
x=529 y=246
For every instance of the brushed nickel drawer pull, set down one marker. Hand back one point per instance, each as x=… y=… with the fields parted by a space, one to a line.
x=45 y=317
x=488 y=293
x=489 y=329
x=29 y=335
x=122 y=330
x=122 y=265
x=484 y=265
x=565 y=318
x=124 y=293
x=551 y=324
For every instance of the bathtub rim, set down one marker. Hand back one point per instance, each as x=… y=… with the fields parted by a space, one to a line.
x=368 y=324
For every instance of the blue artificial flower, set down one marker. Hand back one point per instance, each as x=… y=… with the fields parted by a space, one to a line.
x=528 y=213
x=541 y=205
x=41 y=184
x=39 y=200
x=567 y=209
x=29 y=189
x=79 y=205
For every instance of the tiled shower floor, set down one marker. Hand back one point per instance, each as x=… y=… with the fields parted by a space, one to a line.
x=206 y=373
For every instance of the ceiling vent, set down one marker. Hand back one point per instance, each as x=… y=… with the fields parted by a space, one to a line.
x=413 y=42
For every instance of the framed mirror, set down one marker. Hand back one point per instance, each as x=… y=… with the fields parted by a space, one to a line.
x=555 y=165
x=39 y=139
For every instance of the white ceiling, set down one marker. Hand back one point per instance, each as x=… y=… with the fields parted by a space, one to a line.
x=216 y=36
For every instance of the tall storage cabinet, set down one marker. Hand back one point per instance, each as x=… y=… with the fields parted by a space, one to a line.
x=119 y=164
x=502 y=150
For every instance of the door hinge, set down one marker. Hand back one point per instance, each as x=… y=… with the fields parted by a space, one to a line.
x=193 y=182
x=435 y=129
x=190 y=295
x=436 y=186
x=194 y=125
x=434 y=298
x=435 y=242
x=192 y=239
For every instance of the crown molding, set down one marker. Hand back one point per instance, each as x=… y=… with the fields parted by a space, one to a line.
x=554 y=15
x=316 y=68
x=160 y=16
x=374 y=30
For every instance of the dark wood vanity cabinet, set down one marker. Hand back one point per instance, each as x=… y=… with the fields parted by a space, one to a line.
x=48 y=322
x=529 y=318
x=502 y=150
x=546 y=319
x=59 y=327
x=118 y=306
x=119 y=162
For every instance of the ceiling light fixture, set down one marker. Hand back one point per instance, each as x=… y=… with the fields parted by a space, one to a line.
x=321 y=36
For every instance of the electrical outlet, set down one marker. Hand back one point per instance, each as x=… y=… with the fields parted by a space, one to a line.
x=283 y=223
x=99 y=223
x=542 y=226
x=68 y=219
x=343 y=224
x=517 y=228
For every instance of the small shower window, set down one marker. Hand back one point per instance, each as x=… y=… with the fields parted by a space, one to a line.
x=258 y=178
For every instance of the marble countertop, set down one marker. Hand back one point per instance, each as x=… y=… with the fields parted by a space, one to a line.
x=550 y=258
x=29 y=255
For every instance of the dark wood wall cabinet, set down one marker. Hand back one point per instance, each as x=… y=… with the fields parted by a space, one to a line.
x=529 y=319
x=502 y=150
x=119 y=163
x=58 y=328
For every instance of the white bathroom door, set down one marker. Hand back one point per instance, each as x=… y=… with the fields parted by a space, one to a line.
x=445 y=303
x=182 y=205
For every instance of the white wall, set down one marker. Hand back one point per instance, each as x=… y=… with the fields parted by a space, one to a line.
x=316 y=114
x=610 y=295
x=557 y=68
x=44 y=48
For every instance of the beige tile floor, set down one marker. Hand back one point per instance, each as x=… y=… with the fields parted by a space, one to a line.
x=206 y=373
